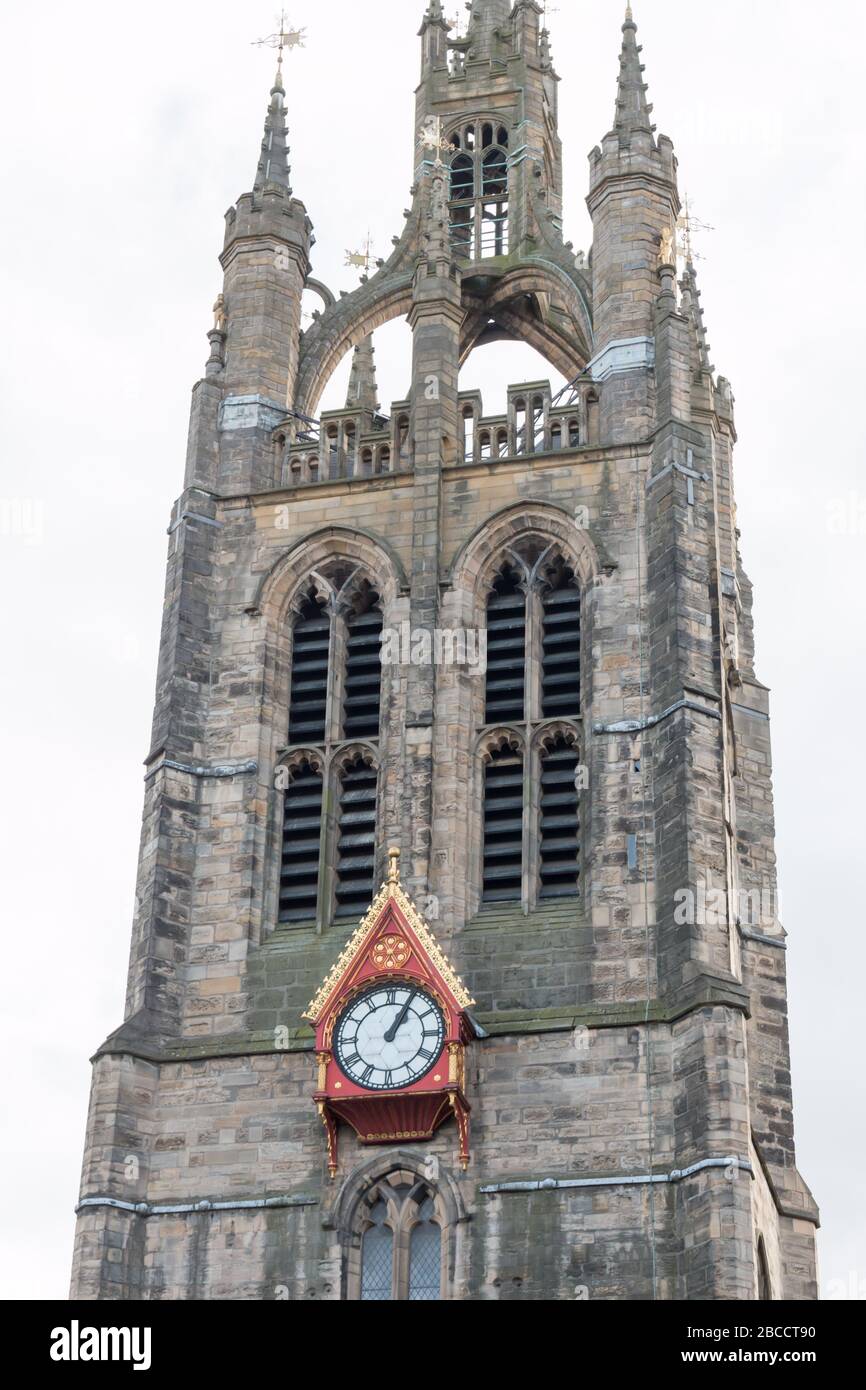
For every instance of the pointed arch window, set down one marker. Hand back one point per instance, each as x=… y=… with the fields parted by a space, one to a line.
x=377 y=1258
x=503 y=825
x=529 y=750
x=765 y=1286
x=425 y=1256
x=479 y=192
x=302 y=831
x=506 y=648
x=356 y=838
x=363 y=684
x=398 y=1242
x=560 y=673
x=310 y=666
x=335 y=701
x=559 y=838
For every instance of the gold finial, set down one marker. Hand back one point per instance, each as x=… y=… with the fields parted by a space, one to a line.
x=284 y=38
x=431 y=138
x=362 y=259
x=393 y=865
x=629 y=17
x=687 y=225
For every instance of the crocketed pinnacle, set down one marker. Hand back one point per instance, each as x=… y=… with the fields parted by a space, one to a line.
x=632 y=108
x=363 y=393
x=274 y=161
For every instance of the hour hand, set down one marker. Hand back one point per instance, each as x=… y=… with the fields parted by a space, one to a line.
x=399 y=1020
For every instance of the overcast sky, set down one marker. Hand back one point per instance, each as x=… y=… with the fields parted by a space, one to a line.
x=128 y=131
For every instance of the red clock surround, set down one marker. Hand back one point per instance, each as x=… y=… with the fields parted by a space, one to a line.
x=393 y=946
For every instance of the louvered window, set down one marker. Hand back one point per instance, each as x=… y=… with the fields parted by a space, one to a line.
x=356 y=839
x=531 y=844
x=363 y=672
x=302 y=821
x=503 y=826
x=506 y=650
x=561 y=650
x=560 y=828
x=309 y=693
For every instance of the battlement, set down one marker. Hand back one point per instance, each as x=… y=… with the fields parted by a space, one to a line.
x=351 y=443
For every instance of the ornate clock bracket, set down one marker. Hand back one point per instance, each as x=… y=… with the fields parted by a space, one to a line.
x=392 y=1024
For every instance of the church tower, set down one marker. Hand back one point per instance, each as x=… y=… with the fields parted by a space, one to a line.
x=456 y=969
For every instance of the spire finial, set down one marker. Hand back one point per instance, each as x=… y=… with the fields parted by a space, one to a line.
x=393 y=865
x=632 y=108
x=274 y=162
x=285 y=37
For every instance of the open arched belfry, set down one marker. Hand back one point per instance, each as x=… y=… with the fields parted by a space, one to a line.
x=552 y=1061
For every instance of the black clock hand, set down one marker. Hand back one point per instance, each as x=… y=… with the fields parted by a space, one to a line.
x=399 y=1021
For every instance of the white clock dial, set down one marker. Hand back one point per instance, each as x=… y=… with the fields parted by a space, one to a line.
x=389 y=1037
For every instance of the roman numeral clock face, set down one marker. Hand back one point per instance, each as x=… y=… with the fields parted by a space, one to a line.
x=389 y=1037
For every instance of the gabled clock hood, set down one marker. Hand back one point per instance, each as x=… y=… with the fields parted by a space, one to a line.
x=415 y=935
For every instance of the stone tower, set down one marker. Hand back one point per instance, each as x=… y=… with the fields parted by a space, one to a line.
x=518 y=647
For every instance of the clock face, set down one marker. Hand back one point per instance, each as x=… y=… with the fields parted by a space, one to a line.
x=389 y=1037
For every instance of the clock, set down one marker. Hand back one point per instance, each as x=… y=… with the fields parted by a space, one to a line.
x=392 y=1026
x=389 y=1037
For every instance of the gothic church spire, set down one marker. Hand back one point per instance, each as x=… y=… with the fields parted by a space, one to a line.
x=632 y=108
x=274 y=161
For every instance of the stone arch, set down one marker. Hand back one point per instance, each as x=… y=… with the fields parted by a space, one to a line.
x=496 y=740
x=337 y=563
x=550 y=733
x=371 y=557
x=403 y=1183
x=350 y=752
x=496 y=539
x=366 y=1175
x=291 y=762
x=512 y=310
x=341 y=329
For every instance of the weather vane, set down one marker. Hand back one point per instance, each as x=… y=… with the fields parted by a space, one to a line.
x=548 y=10
x=362 y=259
x=687 y=225
x=286 y=37
x=431 y=138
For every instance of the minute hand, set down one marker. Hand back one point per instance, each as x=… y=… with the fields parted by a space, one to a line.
x=399 y=1021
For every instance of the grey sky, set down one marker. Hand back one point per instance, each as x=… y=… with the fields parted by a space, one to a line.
x=127 y=133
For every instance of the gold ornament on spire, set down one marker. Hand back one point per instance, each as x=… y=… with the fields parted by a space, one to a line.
x=687 y=225
x=285 y=37
x=362 y=259
x=431 y=138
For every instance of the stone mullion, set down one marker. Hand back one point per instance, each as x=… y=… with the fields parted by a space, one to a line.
x=534 y=658
x=336 y=675
x=531 y=822
x=402 y=1250
x=435 y=319
x=328 y=844
x=531 y=763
